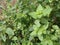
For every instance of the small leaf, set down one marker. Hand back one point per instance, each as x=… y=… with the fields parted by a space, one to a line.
x=50 y=42
x=36 y=15
x=50 y=1
x=39 y=34
x=55 y=27
x=0 y=29
x=30 y=43
x=34 y=33
x=37 y=23
x=39 y=8
x=10 y=32
x=44 y=21
x=40 y=37
x=53 y=37
x=14 y=38
x=47 y=11
x=44 y=42
x=33 y=15
x=19 y=25
x=3 y=37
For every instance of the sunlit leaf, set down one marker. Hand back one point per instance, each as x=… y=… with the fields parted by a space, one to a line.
x=10 y=32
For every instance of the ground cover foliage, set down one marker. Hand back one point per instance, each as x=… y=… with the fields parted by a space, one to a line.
x=30 y=22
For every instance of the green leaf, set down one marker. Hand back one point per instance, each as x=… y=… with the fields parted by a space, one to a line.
x=44 y=21
x=3 y=37
x=33 y=15
x=30 y=43
x=19 y=25
x=50 y=42
x=55 y=27
x=39 y=8
x=50 y=1
x=53 y=37
x=9 y=31
x=47 y=42
x=20 y=15
x=34 y=33
x=36 y=15
x=44 y=42
x=37 y=23
x=34 y=27
x=0 y=29
x=40 y=37
x=39 y=34
x=14 y=38
x=47 y=11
